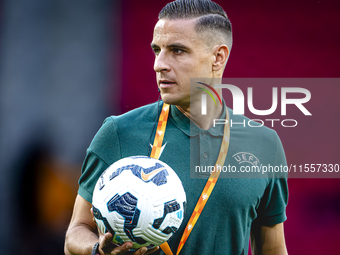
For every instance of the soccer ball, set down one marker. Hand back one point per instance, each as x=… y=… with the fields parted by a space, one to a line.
x=139 y=199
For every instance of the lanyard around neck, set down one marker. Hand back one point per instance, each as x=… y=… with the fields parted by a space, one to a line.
x=209 y=186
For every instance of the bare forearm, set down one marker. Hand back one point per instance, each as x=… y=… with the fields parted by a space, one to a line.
x=260 y=250
x=275 y=251
x=80 y=240
x=268 y=240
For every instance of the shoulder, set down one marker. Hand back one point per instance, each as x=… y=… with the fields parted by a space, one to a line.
x=123 y=127
x=141 y=113
x=134 y=118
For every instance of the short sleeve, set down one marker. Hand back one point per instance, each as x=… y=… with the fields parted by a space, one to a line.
x=102 y=152
x=272 y=208
x=92 y=168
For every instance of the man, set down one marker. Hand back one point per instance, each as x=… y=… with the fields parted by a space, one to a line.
x=191 y=39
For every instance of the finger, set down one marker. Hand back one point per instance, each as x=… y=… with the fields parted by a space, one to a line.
x=141 y=251
x=123 y=249
x=100 y=232
x=93 y=218
x=152 y=250
x=106 y=239
x=105 y=243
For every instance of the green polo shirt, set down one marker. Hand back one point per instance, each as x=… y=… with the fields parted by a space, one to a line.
x=235 y=203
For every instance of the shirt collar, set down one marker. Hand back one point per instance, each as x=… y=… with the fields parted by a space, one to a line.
x=190 y=128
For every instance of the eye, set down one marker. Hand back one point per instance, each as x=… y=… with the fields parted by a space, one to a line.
x=177 y=51
x=156 y=51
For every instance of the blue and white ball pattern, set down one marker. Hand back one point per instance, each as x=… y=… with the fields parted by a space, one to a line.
x=139 y=199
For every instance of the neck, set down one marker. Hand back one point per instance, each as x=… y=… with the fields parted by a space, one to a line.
x=193 y=112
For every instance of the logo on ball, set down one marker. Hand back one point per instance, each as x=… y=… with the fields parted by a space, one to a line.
x=157 y=174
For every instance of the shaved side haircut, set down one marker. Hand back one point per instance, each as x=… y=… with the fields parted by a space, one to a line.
x=212 y=20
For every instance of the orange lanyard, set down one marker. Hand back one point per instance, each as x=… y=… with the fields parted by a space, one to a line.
x=209 y=186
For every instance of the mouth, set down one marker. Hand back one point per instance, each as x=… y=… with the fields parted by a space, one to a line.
x=166 y=83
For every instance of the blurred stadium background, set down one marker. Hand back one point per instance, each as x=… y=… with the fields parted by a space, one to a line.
x=66 y=65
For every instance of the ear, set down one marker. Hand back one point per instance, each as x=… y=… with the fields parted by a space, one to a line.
x=221 y=53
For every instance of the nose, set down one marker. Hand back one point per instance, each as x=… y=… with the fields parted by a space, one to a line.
x=161 y=63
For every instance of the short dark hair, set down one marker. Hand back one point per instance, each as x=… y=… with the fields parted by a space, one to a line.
x=211 y=16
